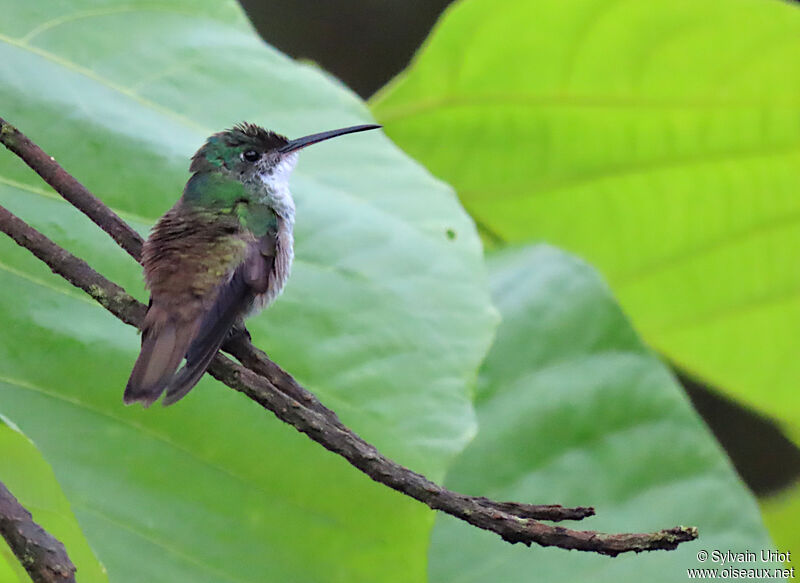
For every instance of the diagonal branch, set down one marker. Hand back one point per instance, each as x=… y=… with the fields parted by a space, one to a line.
x=239 y=346
x=267 y=384
x=42 y=555
x=72 y=190
x=262 y=389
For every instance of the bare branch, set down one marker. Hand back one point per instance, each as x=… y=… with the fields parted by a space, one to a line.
x=42 y=555
x=72 y=190
x=318 y=425
x=267 y=384
x=76 y=271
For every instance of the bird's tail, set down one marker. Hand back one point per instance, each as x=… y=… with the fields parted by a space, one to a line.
x=164 y=344
x=212 y=332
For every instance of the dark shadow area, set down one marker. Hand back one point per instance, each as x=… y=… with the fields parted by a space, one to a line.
x=362 y=42
x=763 y=456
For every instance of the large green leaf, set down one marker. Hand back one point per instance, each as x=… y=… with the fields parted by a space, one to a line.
x=659 y=140
x=31 y=481
x=574 y=409
x=780 y=515
x=386 y=316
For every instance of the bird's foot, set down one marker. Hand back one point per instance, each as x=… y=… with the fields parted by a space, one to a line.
x=239 y=332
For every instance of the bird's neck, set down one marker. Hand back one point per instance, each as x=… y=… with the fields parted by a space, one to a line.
x=281 y=202
x=258 y=204
x=272 y=190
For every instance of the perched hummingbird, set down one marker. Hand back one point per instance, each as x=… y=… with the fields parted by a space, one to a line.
x=220 y=254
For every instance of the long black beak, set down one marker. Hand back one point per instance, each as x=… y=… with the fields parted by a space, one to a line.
x=322 y=136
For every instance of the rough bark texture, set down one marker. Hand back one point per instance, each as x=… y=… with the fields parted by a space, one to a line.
x=43 y=557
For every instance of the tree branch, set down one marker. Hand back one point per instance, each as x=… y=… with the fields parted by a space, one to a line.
x=267 y=384
x=42 y=555
x=333 y=436
x=72 y=190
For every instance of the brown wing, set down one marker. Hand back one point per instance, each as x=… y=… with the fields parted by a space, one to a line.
x=232 y=303
x=181 y=291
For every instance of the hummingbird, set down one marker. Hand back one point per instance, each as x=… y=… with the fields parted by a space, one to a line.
x=222 y=253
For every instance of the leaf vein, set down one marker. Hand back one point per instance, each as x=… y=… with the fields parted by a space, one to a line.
x=88 y=73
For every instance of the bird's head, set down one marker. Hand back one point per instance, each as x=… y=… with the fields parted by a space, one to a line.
x=260 y=159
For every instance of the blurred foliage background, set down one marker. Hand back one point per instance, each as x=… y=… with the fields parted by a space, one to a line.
x=365 y=43
x=388 y=315
x=724 y=241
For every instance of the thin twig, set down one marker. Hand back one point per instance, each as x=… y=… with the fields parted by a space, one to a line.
x=42 y=555
x=72 y=190
x=266 y=383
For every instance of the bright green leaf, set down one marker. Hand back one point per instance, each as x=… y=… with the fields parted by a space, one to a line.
x=658 y=140
x=30 y=479
x=781 y=514
x=386 y=317
x=574 y=409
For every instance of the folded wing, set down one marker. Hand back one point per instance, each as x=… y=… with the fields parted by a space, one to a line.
x=166 y=338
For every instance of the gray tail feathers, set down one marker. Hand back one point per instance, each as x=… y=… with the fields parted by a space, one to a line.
x=188 y=377
x=212 y=332
x=164 y=344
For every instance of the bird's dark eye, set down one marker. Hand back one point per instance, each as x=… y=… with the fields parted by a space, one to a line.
x=251 y=155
